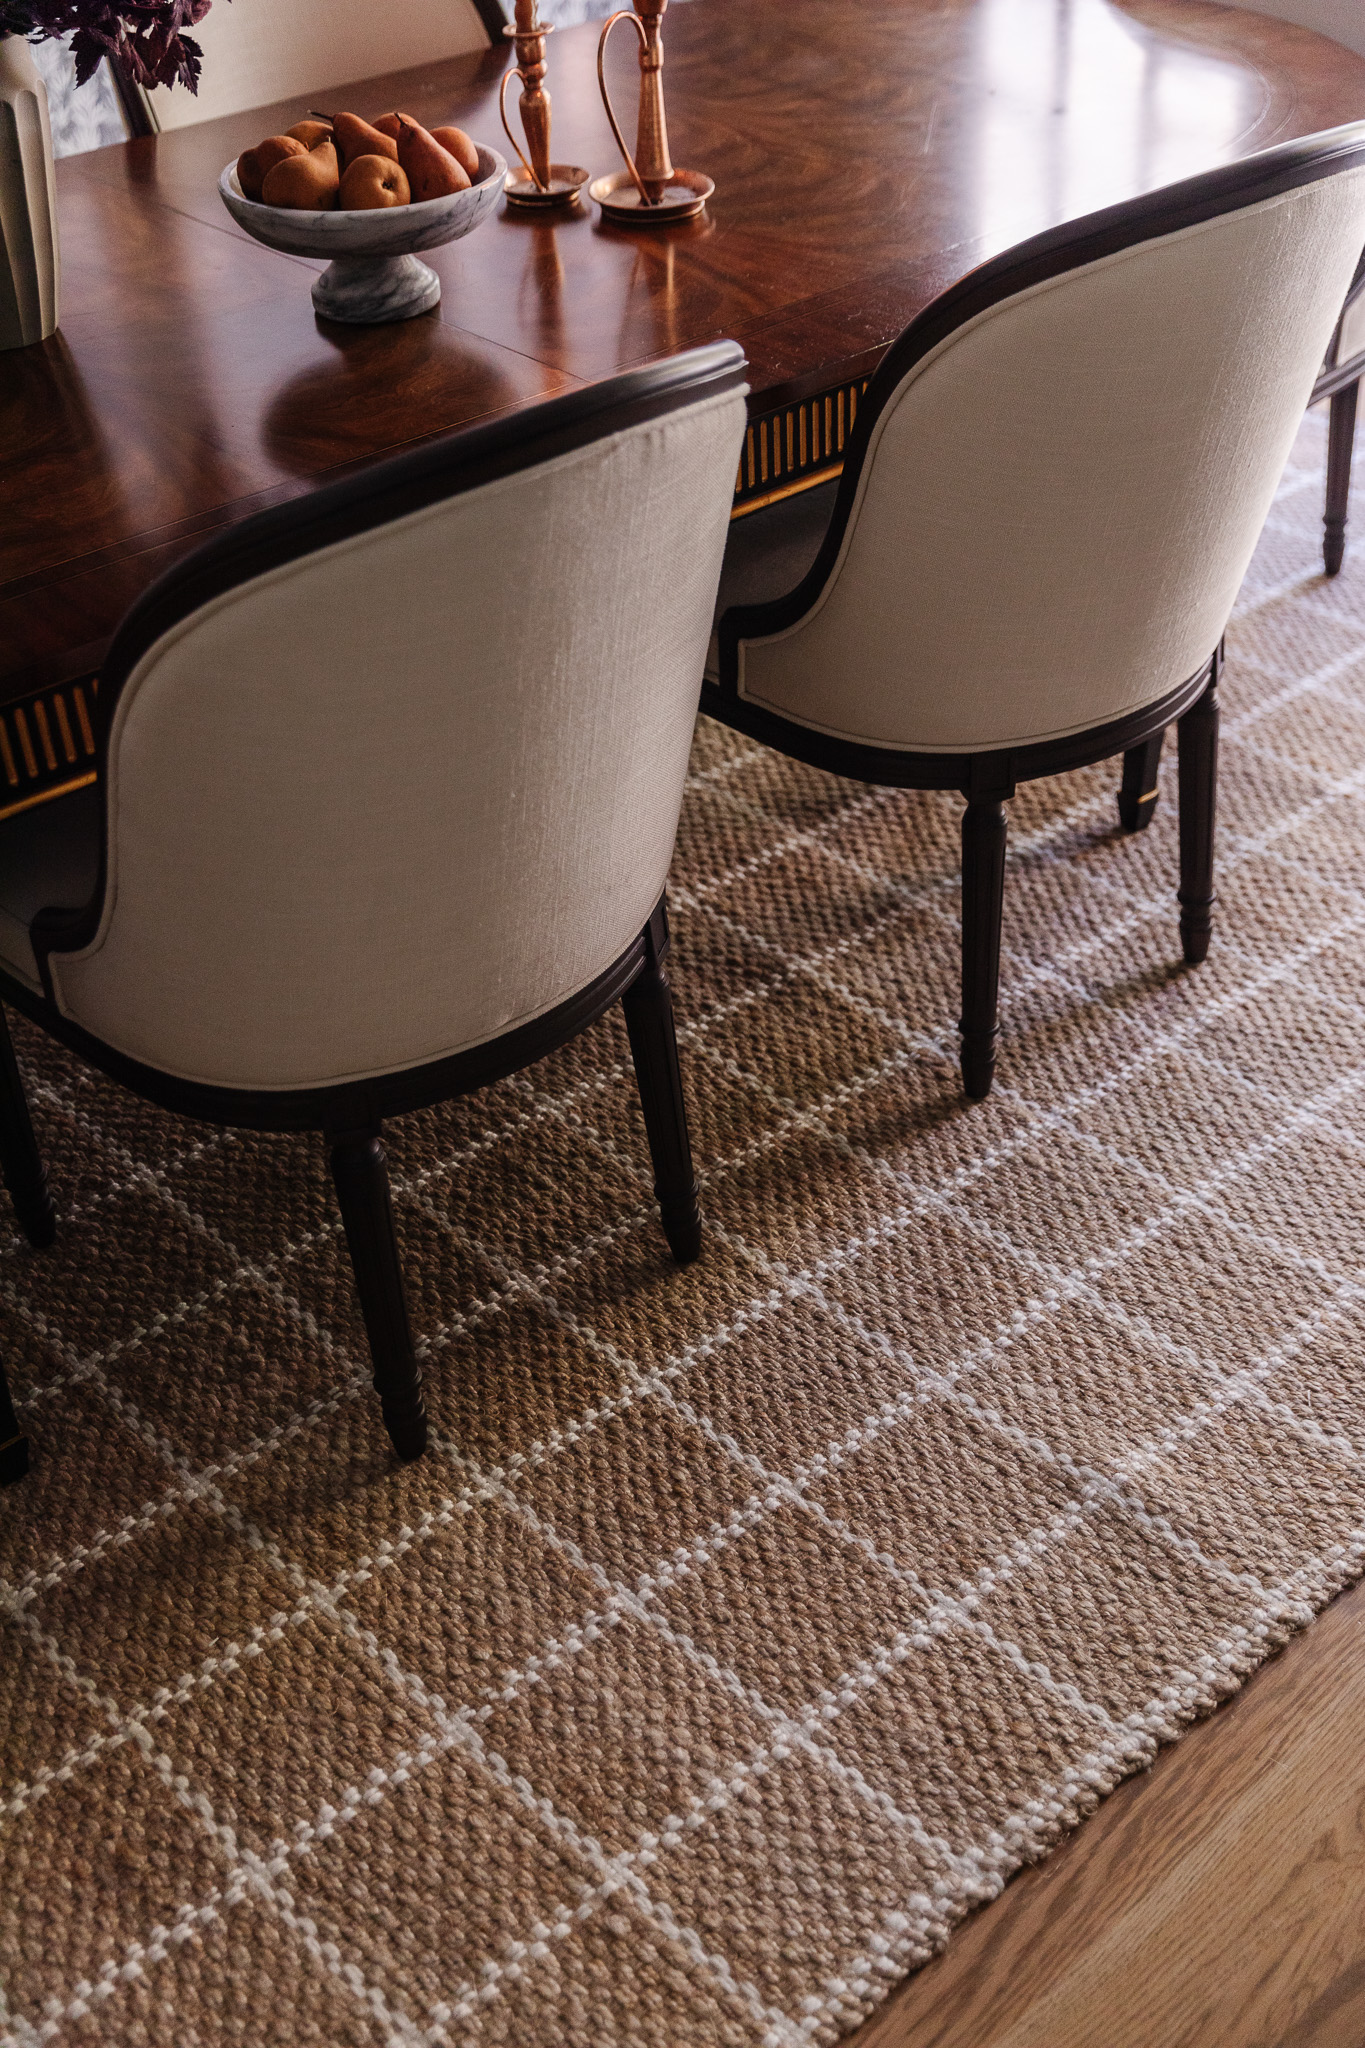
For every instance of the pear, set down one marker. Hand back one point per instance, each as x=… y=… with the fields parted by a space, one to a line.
x=355 y=138
x=309 y=132
x=461 y=147
x=390 y=124
x=307 y=182
x=369 y=181
x=432 y=171
x=253 y=164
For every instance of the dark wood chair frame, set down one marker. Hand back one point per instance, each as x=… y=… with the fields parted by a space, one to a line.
x=351 y=1115
x=987 y=780
x=1340 y=385
x=137 y=108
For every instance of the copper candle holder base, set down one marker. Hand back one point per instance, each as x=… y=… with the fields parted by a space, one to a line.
x=562 y=188
x=618 y=195
x=649 y=191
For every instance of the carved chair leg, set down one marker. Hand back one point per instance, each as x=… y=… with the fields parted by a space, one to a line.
x=360 y=1175
x=648 y=1004
x=1198 y=737
x=1341 y=434
x=19 y=1161
x=13 y=1444
x=983 y=901
x=1138 y=790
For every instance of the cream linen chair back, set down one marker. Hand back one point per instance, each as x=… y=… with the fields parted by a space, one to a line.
x=392 y=771
x=1062 y=468
x=1343 y=20
x=259 y=51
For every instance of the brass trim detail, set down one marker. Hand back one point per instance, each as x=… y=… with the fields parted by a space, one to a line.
x=44 y=796
x=796 y=448
x=802 y=483
x=44 y=734
x=87 y=731
x=61 y=720
x=25 y=743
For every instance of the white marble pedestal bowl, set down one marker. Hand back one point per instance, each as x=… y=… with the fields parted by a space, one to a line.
x=374 y=274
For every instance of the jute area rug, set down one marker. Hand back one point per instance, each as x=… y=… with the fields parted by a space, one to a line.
x=745 y=1625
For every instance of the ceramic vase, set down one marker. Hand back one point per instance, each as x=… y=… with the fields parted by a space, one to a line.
x=29 y=263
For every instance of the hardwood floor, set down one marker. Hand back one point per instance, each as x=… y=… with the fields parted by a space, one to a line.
x=1215 y=1901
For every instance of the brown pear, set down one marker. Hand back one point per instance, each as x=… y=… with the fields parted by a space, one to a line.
x=307 y=182
x=309 y=132
x=432 y=171
x=253 y=164
x=461 y=146
x=355 y=138
x=390 y=124
x=369 y=181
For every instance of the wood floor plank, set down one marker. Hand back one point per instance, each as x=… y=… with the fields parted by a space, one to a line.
x=1215 y=1901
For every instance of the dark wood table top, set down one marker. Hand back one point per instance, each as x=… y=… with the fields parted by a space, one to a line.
x=865 y=156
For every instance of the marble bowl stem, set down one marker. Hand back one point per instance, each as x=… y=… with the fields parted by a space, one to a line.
x=368 y=290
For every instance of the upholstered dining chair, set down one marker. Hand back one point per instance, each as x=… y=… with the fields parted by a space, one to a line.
x=258 y=51
x=1055 y=483
x=388 y=786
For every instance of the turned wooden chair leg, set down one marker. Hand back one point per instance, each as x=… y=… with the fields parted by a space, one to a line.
x=20 y=1163
x=648 y=1004
x=1138 y=790
x=983 y=901
x=13 y=1443
x=1198 y=741
x=1341 y=434
x=360 y=1175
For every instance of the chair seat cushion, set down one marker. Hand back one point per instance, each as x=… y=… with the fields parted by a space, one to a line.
x=768 y=552
x=49 y=858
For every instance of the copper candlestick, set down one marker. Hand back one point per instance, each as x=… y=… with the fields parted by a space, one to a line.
x=545 y=183
x=649 y=188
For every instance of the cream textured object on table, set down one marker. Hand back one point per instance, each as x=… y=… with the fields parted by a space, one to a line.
x=30 y=259
x=747 y=1623
x=374 y=275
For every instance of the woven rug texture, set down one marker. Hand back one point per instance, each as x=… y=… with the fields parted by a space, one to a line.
x=745 y=1625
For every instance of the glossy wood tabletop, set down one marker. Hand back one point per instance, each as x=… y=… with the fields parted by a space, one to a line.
x=864 y=155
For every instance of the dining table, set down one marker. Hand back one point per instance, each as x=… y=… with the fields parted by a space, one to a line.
x=865 y=154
